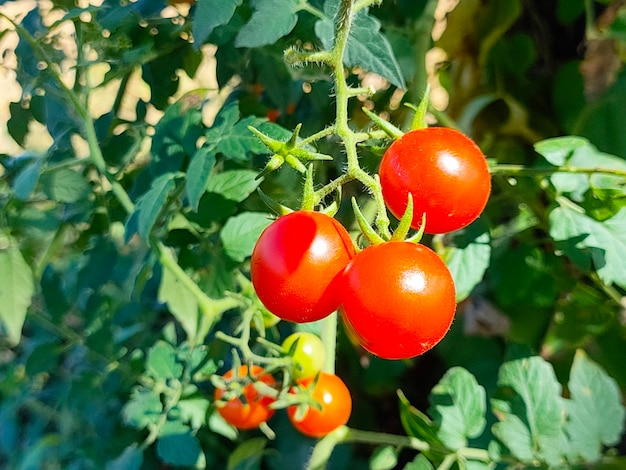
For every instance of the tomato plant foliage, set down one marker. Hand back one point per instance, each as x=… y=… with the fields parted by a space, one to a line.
x=146 y=146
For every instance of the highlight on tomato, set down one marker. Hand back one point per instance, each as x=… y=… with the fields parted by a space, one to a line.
x=334 y=406
x=445 y=172
x=252 y=408
x=399 y=299
x=297 y=263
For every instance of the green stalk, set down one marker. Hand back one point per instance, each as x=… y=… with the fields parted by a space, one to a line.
x=520 y=170
x=329 y=338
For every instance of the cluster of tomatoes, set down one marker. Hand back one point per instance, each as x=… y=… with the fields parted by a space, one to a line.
x=396 y=297
x=324 y=404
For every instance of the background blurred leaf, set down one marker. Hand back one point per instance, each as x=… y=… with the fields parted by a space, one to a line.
x=271 y=20
x=16 y=290
x=210 y=14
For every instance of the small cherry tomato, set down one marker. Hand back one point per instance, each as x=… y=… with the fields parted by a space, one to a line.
x=308 y=353
x=445 y=172
x=331 y=393
x=399 y=299
x=254 y=409
x=297 y=265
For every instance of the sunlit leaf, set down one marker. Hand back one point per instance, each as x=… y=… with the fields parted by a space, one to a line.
x=468 y=258
x=241 y=232
x=458 y=407
x=530 y=410
x=162 y=363
x=595 y=411
x=590 y=242
x=16 y=290
x=180 y=302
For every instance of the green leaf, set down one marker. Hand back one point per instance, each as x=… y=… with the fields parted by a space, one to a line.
x=419 y=463
x=577 y=152
x=197 y=175
x=65 y=185
x=43 y=358
x=179 y=449
x=595 y=411
x=367 y=47
x=530 y=410
x=26 y=180
x=241 y=232
x=568 y=10
x=239 y=140
x=180 y=302
x=458 y=407
x=417 y=424
x=177 y=133
x=161 y=362
x=16 y=290
x=143 y=408
x=384 y=458
x=558 y=149
x=586 y=240
x=209 y=15
x=468 y=257
x=130 y=459
x=271 y=20
x=235 y=185
x=247 y=455
x=218 y=425
x=193 y=410
x=230 y=135
x=149 y=206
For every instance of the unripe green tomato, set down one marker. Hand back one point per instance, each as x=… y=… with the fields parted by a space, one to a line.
x=308 y=353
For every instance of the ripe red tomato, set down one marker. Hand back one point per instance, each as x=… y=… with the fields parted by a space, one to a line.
x=399 y=299
x=445 y=172
x=336 y=405
x=297 y=263
x=254 y=409
x=308 y=353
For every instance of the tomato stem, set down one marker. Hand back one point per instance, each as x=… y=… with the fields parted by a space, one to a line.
x=329 y=338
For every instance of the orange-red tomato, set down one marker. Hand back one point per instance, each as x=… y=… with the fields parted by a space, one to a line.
x=445 y=172
x=297 y=264
x=254 y=409
x=336 y=405
x=399 y=299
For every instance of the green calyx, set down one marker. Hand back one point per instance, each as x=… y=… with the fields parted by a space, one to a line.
x=287 y=152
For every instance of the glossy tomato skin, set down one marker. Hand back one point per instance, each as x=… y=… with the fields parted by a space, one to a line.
x=297 y=263
x=336 y=406
x=445 y=172
x=308 y=353
x=399 y=299
x=254 y=409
